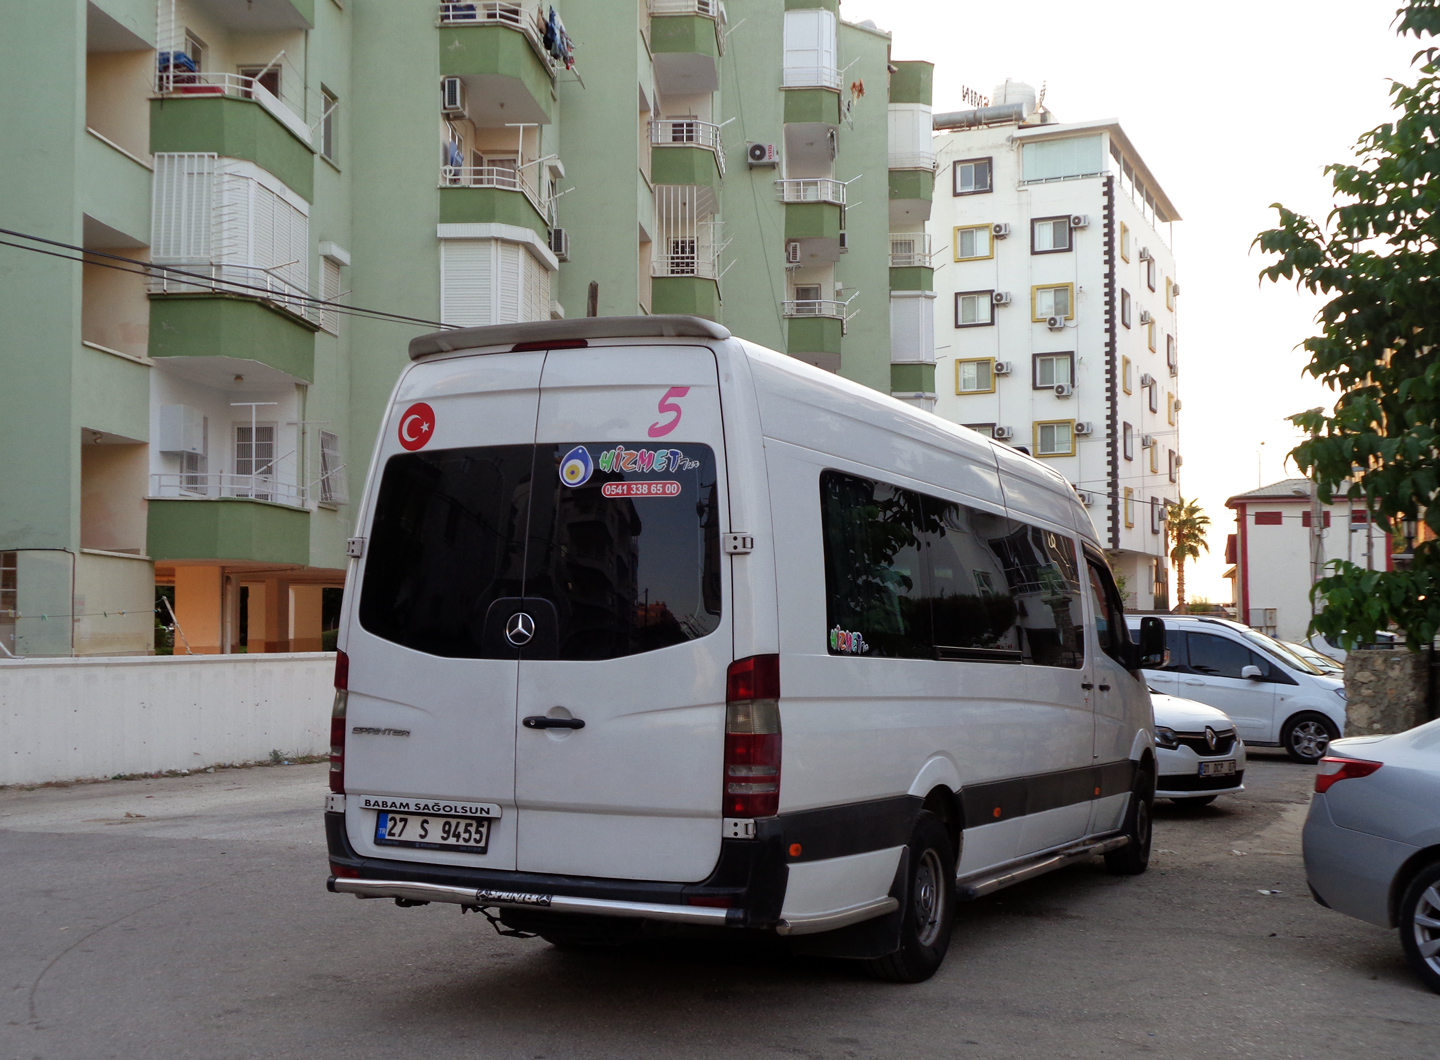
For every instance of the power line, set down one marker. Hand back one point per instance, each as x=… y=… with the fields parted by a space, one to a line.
x=218 y=285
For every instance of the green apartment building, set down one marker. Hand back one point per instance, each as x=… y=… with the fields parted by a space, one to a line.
x=291 y=163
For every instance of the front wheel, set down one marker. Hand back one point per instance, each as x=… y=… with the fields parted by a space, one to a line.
x=1306 y=737
x=1134 y=857
x=927 y=911
x=1419 y=916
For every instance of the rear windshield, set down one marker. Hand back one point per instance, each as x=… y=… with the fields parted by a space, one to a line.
x=621 y=538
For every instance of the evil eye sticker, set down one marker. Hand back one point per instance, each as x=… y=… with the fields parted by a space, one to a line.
x=576 y=467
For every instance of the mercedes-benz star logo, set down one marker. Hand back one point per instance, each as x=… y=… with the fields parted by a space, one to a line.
x=521 y=628
x=1210 y=738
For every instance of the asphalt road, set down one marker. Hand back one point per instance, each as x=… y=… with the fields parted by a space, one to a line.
x=188 y=918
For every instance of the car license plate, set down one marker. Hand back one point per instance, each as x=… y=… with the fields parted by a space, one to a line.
x=1218 y=769
x=470 y=835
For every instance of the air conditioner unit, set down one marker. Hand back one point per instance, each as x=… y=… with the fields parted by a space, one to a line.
x=1000 y=231
x=1004 y=434
x=762 y=155
x=1179 y=460
x=1079 y=220
x=1083 y=428
x=1001 y=298
x=182 y=429
x=1086 y=498
x=1147 y=441
x=1054 y=323
x=844 y=242
x=1145 y=254
x=560 y=243
x=792 y=253
x=1145 y=316
x=1174 y=290
x=1146 y=379
x=1004 y=367
x=1177 y=405
x=1063 y=390
x=452 y=97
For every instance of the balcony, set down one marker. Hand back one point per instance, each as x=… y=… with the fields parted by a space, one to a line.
x=246 y=281
x=494 y=195
x=911 y=193
x=687 y=38
x=257 y=487
x=694 y=153
x=910 y=250
x=220 y=330
x=832 y=308
x=175 y=82
x=233 y=529
x=507 y=54
x=820 y=76
x=812 y=189
x=221 y=119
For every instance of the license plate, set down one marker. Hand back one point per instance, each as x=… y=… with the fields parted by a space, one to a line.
x=470 y=835
x=1217 y=769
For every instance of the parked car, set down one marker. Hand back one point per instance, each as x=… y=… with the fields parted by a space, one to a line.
x=1331 y=650
x=1372 y=838
x=1323 y=663
x=1198 y=754
x=601 y=564
x=1275 y=698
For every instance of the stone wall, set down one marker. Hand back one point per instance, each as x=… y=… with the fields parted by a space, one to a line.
x=1385 y=691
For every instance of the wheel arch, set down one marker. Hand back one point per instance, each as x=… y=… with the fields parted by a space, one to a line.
x=1414 y=865
x=937 y=785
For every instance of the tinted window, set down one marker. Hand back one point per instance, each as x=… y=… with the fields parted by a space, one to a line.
x=1110 y=627
x=913 y=576
x=1219 y=656
x=628 y=555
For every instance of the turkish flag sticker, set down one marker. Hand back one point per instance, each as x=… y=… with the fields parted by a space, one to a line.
x=416 y=426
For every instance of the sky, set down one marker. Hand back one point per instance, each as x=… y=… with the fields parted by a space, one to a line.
x=1234 y=106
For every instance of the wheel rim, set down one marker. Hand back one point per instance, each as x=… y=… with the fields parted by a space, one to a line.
x=1309 y=739
x=1426 y=925
x=929 y=898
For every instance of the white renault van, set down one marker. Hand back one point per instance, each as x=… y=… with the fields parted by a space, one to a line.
x=648 y=625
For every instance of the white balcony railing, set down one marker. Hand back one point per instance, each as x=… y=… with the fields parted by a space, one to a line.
x=818 y=307
x=175 y=82
x=210 y=485
x=247 y=281
x=505 y=178
x=689 y=132
x=529 y=17
x=709 y=8
x=812 y=189
x=909 y=249
x=811 y=77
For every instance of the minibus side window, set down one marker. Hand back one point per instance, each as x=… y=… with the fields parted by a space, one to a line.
x=1044 y=579
x=1110 y=626
x=974 y=614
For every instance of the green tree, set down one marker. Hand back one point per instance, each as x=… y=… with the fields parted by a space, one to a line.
x=1185 y=530
x=1377 y=260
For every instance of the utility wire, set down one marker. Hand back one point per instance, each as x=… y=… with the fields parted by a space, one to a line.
x=147 y=268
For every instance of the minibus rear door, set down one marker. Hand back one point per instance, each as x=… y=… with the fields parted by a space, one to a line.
x=619 y=735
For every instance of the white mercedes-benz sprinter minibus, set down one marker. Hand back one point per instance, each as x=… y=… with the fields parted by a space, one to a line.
x=648 y=626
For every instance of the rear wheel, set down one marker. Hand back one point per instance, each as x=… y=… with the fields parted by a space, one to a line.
x=1419 y=916
x=1306 y=737
x=1134 y=857
x=927 y=908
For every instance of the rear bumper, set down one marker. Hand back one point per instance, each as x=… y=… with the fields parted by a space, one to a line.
x=1348 y=871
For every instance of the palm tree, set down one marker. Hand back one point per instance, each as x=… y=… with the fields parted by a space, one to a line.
x=1186 y=532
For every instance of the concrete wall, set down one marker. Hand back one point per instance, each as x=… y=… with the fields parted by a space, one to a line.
x=1385 y=691
x=66 y=718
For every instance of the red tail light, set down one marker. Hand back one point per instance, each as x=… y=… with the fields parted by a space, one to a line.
x=752 y=737
x=337 y=723
x=1332 y=770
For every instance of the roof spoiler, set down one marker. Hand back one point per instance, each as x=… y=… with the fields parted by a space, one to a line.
x=574 y=331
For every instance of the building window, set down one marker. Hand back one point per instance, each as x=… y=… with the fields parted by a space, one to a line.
x=1049 y=235
x=1129 y=506
x=1127 y=375
x=976 y=376
x=196 y=49
x=1169 y=294
x=1051 y=369
x=974 y=309
x=1307 y=518
x=1124 y=307
x=973 y=242
x=1150 y=335
x=1058 y=301
x=329 y=105
x=1170 y=456
x=195 y=467
x=1055 y=438
x=330 y=280
x=1268 y=518
x=987 y=429
x=332 y=470
x=972 y=176
x=1157 y=515
x=1170 y=408
x=1149 y=266
x=1129 y=437
x=1124 y=241
x=255 y=460
x=267 y=77
x=1172 y=355
x=1154 y=457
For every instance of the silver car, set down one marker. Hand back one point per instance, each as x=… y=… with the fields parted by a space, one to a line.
x=1372 y=839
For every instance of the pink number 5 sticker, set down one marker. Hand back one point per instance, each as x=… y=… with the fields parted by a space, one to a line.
x=661 y=428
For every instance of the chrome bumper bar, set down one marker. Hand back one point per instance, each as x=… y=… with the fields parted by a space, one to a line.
x=555 y=903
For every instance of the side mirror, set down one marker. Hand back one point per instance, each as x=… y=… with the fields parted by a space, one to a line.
x=1252 y=672
x=1152 y=643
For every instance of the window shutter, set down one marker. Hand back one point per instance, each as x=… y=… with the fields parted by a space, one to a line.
x=508 y=288
x=912 y=328
x=466 y=277
x=182 y=201
x=809 y=47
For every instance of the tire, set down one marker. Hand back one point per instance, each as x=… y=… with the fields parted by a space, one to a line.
x=927 y=911
x=1134 y=857
x=1419 y=917
x=1194 y=804
x=1306 y=737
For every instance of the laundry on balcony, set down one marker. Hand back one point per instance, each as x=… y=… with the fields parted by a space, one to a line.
x=557 y=42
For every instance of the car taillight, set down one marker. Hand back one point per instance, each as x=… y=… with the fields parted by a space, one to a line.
x=1332 y=770
x=752 y=737
x=337 y=723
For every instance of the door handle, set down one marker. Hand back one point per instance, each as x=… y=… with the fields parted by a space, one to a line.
x=1197 y=684
x=1104 y=688
x=538 y=721
x=1086 y=685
